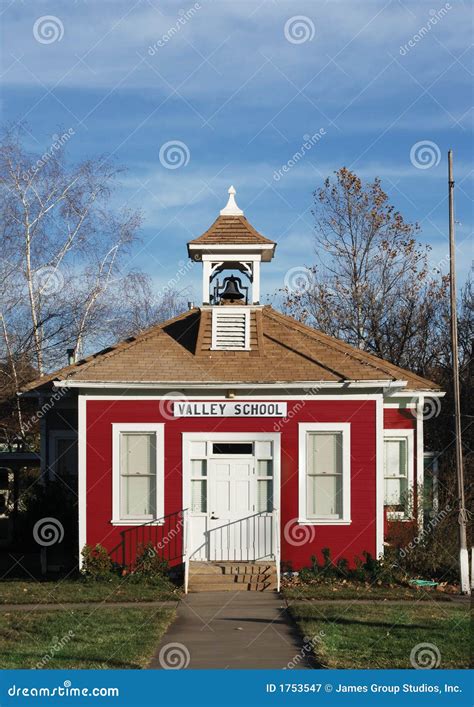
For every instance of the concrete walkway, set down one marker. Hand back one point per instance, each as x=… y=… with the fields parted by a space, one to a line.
x=232 y=630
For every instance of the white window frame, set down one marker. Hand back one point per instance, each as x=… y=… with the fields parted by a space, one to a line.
x=303 y=430
x=409 y=435
x=158 y=429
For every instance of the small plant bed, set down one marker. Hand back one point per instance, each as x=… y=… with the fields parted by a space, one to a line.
x=367 y=578
x=99 y=638
x=384 y=635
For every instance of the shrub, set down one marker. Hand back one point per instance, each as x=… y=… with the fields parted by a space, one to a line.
x=149 y=565
x=96 y=563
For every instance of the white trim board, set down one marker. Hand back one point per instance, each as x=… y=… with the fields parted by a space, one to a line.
x=303 y=429
x=81 y=472
x=158 y=429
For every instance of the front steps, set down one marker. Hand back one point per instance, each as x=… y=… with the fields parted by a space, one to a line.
x=232 y=576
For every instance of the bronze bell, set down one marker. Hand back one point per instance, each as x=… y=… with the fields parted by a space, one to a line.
x=231 y=290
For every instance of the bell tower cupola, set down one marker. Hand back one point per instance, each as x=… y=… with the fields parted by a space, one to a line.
x=231 y=251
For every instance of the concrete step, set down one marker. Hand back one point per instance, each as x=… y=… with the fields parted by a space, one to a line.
x=232 y=576
x=232 y=587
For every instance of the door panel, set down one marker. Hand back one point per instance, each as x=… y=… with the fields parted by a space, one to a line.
x=232 y=528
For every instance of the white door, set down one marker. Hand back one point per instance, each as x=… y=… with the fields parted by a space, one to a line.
x=231 y=505
x=231 y=509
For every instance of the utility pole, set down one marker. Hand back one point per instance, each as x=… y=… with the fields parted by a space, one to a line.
x=462 y=519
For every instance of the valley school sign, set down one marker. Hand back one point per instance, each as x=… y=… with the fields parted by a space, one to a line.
x=247 y=409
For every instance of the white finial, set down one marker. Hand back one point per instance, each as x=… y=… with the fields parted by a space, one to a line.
x=231 y=208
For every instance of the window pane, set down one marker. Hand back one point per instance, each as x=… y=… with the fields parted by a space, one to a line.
x=395 y=492
x=138 y=496
x=138 y=453
x=265 y=467
x=265 y=496
x=325 y=453
x=395 y=457
x=324 y=496
x=198 y=467
x=199 y=496
x=138 y=472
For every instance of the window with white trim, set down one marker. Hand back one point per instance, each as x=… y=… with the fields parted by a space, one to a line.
x=324 y=471
x=398 y=473
x=138 y=479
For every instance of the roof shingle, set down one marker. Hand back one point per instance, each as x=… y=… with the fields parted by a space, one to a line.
x=282 y=351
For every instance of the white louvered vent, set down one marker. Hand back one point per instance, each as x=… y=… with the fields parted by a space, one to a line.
x=231 y=329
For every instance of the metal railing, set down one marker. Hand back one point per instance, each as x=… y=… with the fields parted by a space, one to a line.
x=163 y=535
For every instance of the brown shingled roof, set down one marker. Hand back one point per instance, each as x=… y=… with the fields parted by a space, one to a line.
x=282 y=351
x=233 y=230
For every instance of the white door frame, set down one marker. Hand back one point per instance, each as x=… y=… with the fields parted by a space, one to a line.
x=189 y=437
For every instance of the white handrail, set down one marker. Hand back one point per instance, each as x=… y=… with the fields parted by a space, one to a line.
x=186 y=549
x=276 y=541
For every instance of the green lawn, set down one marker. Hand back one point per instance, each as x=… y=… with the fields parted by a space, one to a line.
x=333 y=590
x=383 y=635
x=63 y=591
x=96 y=638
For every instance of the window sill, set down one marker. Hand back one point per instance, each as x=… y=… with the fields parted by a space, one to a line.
x=139 y=521
x=399 y=517
x=323 y=521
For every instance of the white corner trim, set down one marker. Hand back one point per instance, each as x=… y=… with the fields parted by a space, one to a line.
x=303 y=429
x=379 y=479
x=117 y=429
x=81 y=472
x=420 y=466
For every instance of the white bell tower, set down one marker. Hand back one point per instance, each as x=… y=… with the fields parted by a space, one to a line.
x=231 y=244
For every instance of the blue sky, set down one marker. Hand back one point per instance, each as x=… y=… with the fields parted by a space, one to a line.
x=240 y=84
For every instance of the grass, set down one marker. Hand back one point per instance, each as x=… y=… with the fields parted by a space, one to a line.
x=383 y=635
x=334 y=590
x=70 y=590
x=97 y=638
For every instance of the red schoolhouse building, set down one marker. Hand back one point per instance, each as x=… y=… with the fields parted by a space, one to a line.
x=233 y=432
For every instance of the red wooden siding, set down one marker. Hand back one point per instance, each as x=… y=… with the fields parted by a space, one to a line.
x=344 y=541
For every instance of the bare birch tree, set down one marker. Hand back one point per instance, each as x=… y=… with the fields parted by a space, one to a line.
x=65 y=280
